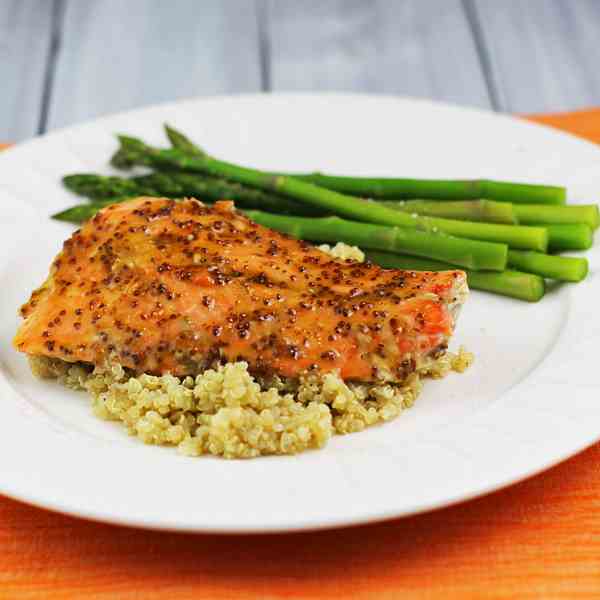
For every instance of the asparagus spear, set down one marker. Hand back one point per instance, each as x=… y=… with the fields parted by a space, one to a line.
x=563 y=268
x=383 y=187
x=396 y=188
x=179 y=185
x=558 y=215
x=523 y=286
x=466 y=253
x=481 y=210
x=181 y=141
x=98 y=187
x=516 y=236
x=576 y=236
x=82 y=212
x=135 y=152
x=176 y=185
x=502 y=212
x=466 y=210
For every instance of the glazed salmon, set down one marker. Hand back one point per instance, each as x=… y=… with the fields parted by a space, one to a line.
x=172 y=286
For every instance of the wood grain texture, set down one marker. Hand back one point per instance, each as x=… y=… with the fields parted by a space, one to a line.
x=417 y=47
x=25 y=39
x=117 y=55
x=536 y=540
x=111 y=55
x=542 y=55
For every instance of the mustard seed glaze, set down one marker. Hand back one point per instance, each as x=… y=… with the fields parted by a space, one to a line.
x=165 y=286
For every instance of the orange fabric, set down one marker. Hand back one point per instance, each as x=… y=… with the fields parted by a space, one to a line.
x=584 y=123
x=538 y=539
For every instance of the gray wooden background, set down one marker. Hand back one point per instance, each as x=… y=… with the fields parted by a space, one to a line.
x=64 y=61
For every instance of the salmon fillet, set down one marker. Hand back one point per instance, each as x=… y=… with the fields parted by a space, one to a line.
x=172 y=286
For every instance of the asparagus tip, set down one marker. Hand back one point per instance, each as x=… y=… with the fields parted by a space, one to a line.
x=63 y=215
x=128 y=153
x=181 y=141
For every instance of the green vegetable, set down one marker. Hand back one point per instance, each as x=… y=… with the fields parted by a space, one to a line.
x=515 y=236
x=180 y=141
x=502 y=212
x=82 y=212
x=466 y=253
x=180 y=185
x=576 y=236
x=523 y=286
x=135 y=152
x=434 y=189
x=558 y=215
x=487 y=211
x=408 y=188
x=563 y=268
x=98 y=187
x=202 y=187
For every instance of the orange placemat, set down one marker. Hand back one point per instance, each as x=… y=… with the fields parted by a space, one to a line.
x=538 y=539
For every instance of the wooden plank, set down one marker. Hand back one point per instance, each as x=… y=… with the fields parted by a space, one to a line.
x=118 y=55
x=25 y=40
x=416 y=47
x=542 y=55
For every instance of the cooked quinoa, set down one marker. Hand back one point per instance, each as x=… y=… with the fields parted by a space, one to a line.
x=227 y=412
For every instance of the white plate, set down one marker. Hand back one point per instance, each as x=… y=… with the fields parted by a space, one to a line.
x=530 y=400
